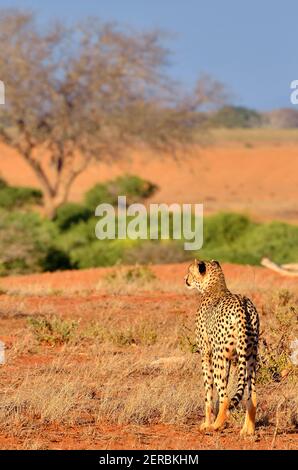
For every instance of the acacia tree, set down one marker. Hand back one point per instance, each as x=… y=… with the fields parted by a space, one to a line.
x=90 y=91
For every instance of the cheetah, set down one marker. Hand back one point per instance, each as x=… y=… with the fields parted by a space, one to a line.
x=227 y=329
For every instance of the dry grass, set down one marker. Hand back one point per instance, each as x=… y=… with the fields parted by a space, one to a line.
x=41 y=290
x=254 y=137
x=126 y=362
x=116 y=380
x=134 y=280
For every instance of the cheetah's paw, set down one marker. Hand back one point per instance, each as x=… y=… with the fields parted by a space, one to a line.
x=205 y=427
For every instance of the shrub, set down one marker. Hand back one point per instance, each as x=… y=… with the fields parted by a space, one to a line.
x=143 y=335
x=52 y=331
x=24 y=238
x=30 y=243
x=56 y=260
x=15 y=196
x=27 y=244
x=235 y=117
x=225 y=228
x=236 y=239
x=277 y=240
x=133 y=187
x=275 y=350
x=99 y=194
x=140 y=334
x=156 y=252
x=3 y=183
x=85 y=251
x=131 y=274
x=99 y=253
x=70 y=214
x=227 y=237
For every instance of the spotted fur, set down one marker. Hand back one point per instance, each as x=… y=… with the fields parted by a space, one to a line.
x=227 y=329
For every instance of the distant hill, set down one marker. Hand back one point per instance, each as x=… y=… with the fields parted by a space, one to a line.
x=283 y=118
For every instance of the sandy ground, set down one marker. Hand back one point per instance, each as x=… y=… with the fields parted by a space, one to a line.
x=79 y=294
x=260 y=180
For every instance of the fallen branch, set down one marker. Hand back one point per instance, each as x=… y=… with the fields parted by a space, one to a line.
x=281 y=269
x=290 y=266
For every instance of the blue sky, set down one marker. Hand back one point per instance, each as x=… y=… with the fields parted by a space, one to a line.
x=251 y=46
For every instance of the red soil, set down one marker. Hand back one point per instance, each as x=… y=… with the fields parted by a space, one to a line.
x=88 y=278
x=261 y=180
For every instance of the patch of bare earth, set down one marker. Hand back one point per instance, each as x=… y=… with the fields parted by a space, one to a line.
x=102 y=361
x=258 y=179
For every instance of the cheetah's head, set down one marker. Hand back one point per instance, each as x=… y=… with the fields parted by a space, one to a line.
x=204 y=275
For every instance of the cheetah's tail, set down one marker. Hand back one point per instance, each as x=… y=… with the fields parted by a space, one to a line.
x=241 y=382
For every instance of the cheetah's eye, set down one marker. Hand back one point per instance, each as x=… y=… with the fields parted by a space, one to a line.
x=202 y=267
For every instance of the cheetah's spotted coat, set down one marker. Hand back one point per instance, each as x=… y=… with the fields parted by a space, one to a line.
x=227 y=328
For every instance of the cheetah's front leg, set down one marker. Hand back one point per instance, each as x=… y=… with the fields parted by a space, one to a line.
x=208 y=384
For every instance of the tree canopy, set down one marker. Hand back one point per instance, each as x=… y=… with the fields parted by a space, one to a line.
x=89 y=91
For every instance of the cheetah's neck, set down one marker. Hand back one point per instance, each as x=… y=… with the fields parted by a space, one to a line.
x=214 y=295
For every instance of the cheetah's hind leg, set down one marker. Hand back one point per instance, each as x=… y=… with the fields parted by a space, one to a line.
x=208 y=385
x=250 y=416
x=220 y=380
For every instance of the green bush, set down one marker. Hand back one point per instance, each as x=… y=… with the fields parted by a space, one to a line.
x=18 y=196
x=227 y=237
x=236 y=117
x=56 y=260
x=225 y=228
x=99 y=194
x=27 y=242
x=98 y=253
x=236 y=239
x=85 y=251
x=276 y=240
x=70 y=214
x=30 y=243
x=3 y=183
x=133 y=187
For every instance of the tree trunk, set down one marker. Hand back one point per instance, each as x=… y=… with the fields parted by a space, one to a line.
x=49 y=207
x=52 y=203
x=55 y=193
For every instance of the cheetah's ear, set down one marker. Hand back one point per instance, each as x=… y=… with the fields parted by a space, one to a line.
x=215 y=262
x=201 y=267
